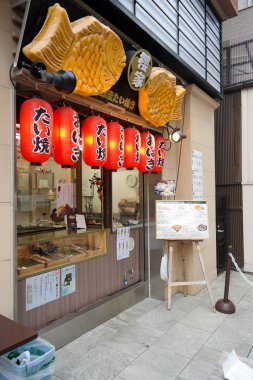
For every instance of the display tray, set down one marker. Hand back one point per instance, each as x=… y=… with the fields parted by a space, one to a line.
x=40 y=255
x=37 y=229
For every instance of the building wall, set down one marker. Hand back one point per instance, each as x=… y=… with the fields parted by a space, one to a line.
x=6 y=162
x=247 y=176
x=242 y=24
x=199 y=127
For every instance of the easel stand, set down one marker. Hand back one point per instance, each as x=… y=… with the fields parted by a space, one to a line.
x=184 y=283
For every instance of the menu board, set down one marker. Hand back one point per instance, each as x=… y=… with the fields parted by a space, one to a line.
x=181 y=220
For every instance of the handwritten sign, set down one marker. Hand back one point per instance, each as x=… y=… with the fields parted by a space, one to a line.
x=182 y=220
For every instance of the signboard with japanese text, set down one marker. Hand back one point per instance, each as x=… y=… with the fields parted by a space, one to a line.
x=139 y=69
x=181 y=220
x=42 y=289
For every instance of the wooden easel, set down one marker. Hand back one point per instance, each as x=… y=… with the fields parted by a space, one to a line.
x=184 y=283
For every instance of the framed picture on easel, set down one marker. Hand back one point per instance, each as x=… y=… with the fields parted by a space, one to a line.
x=181 y=220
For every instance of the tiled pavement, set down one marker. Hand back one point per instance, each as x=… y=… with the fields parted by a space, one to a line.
x=148 y=342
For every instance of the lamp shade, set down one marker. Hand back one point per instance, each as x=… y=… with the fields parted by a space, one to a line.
x=115 y=147
x=94 y=137
x=132 y=141
x=159 y=154
x=36 y=117
x=66 y=136
x=147 y=153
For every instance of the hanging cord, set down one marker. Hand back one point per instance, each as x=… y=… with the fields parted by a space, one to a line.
x=10 y=75
x=239 y=270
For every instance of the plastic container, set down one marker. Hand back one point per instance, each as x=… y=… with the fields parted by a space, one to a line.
x=41 y=366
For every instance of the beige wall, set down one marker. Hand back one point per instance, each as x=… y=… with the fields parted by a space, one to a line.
x=6 y=162
x=247 y=176
x=199 y=127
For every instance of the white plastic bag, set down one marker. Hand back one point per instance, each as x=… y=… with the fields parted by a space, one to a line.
x=164 y=268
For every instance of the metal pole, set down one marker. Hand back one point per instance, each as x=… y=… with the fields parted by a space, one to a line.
x=225 y=305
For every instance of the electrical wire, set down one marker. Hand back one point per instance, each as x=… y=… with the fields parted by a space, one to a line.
x=10 y=75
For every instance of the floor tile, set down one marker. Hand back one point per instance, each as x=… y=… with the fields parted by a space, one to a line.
x=226 y=339
x=240 y=320
x=63 y=358
x=161 y=318
x=197 y=369
x=186 y=304
x=204 y=318
x=208 y=355
x=101 y=363
x=90 y=340
x=155 y=364
x=182 y=339
x=133 y=340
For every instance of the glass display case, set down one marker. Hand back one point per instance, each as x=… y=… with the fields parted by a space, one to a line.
x=40 y=252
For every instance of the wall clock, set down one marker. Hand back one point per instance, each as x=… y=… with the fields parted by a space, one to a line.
x=131 y=180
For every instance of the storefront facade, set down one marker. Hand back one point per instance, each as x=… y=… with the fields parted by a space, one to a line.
x=104 y=283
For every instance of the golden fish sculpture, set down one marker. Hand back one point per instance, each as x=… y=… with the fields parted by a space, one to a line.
x=88 y=48
x=160 y=101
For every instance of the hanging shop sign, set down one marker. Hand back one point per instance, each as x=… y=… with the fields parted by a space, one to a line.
x=36 y=116
x=139 y=65
x=121 y=95
x=87 y=47
x=132 y=141
x=147 y=153
x=94 y=137
x=66 y=137
x=159 y=154
x=161 y=100
x=115 y=148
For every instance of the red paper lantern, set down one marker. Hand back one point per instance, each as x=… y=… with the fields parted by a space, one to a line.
x=132 y=140
x=159 y=154
x=147 y=154
x=66 y=137
x=115 y=148
x=94 y=136
x=36 y=117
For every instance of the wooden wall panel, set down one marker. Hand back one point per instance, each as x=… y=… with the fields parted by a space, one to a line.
x=96 y=279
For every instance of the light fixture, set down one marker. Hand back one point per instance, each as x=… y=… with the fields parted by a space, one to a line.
x=176 y=136
x=63 y=80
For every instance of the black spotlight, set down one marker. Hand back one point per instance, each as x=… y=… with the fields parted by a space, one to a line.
x=63 y=80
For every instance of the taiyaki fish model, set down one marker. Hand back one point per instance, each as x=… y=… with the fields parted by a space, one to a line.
x=87 y=47
x=161 y=99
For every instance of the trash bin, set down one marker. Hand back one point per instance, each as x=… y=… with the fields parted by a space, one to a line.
x=40 y=367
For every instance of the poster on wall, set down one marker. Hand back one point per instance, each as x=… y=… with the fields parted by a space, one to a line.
x=66 y=194
x=42 y=289
x=197 y=175
x=123 y=242
x=182 y=220
x=68 y=280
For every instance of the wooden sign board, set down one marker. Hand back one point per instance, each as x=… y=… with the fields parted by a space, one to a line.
x=181 y=220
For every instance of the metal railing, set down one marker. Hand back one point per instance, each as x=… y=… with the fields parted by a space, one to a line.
x=238 y=61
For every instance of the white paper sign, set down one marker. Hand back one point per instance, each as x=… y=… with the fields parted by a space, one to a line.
x=42 y=289
x=123 y=234
x=235 y=369
x=80 y=221
x=181 y=220
x=197 y=175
